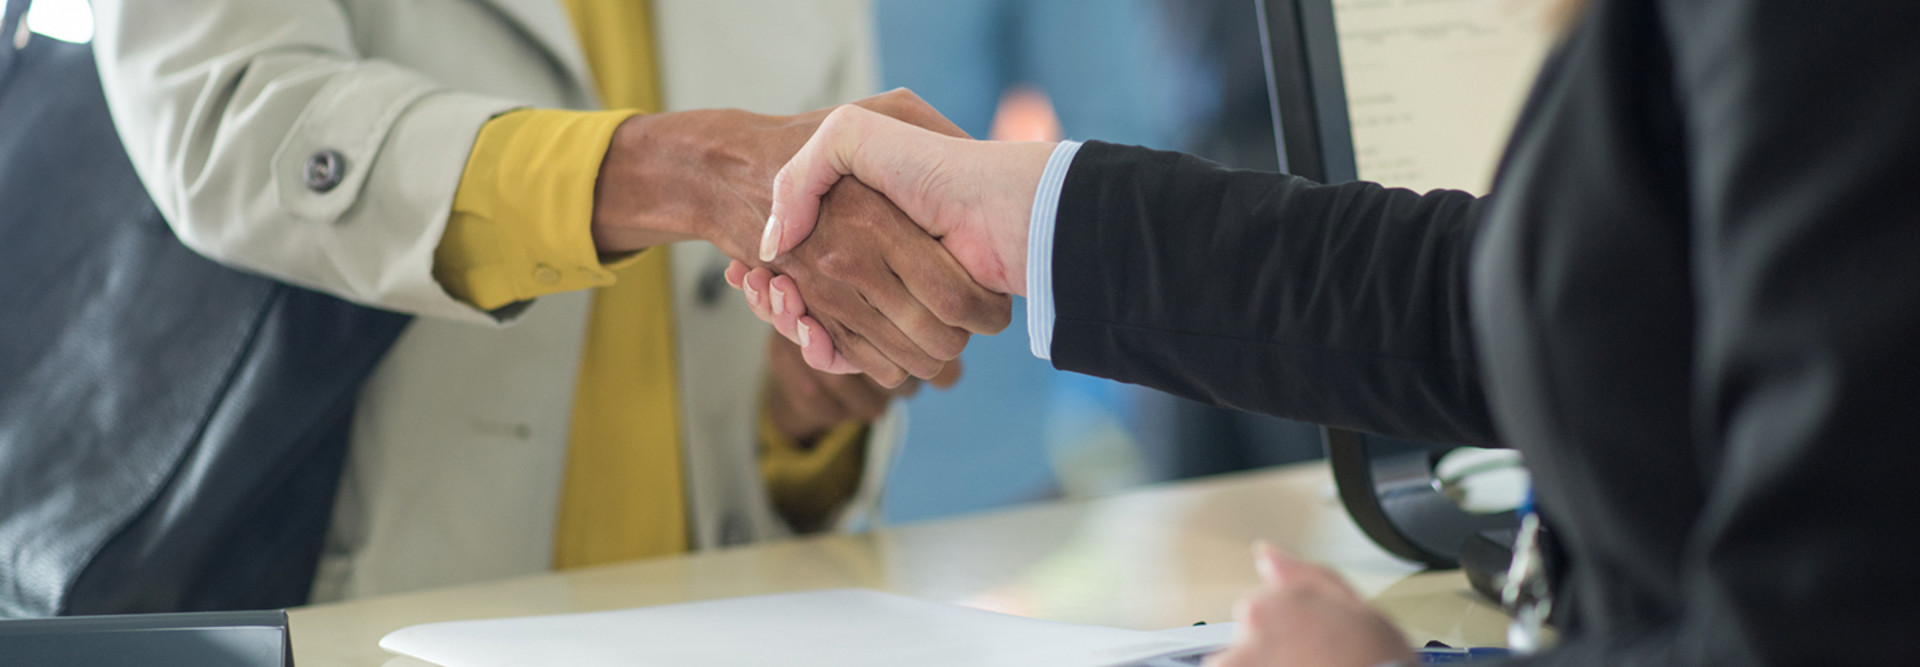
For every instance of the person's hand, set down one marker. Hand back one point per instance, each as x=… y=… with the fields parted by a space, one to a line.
x=805 y=403
x=976 y=197
x=1305 y=614
x=704 y=175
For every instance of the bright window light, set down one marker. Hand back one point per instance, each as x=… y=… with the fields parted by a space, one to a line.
x=65 y=20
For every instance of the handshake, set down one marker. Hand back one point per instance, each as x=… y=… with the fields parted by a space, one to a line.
x=888 y=239
x=974 y=198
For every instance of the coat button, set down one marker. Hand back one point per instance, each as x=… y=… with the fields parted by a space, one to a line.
x=713 y=286
x=546 y=275
x=325 y=170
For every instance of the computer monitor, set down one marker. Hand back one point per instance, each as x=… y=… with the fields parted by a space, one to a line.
x=1409 y=93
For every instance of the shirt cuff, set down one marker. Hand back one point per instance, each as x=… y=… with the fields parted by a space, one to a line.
x=522 y=220
x=1046 y=207
x=809 y=485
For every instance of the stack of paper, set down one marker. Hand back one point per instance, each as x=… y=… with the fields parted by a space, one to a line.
x=832 y=628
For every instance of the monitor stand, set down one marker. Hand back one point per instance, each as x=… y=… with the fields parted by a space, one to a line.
x=1391 y=492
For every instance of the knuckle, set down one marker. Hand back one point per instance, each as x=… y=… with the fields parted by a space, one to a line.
x=952 y=306
x=838 y=264
x=924 y=367
x=999 y=314
x=840 y=115
x=948 y=344
x=979 y=308
x=889 y=377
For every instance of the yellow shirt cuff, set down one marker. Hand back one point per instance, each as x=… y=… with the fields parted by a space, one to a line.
x=809 y=484
x=522 y=220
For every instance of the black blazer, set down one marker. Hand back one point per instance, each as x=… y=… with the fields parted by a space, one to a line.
x=1693 y=301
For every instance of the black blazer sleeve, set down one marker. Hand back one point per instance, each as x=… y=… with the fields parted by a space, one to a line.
x=1342 y=305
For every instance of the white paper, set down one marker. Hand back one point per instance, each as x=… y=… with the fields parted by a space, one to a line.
x=831 y=628
x=1434 y=86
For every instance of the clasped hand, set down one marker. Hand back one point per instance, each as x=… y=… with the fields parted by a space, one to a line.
x=896 y=303
x=973 y=197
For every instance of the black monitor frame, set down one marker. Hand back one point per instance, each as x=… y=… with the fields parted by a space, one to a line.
x=1388 y=488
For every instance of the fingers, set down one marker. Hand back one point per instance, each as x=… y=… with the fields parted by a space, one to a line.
x=818 y=349
x=812 y=171
x=863 y=354
x=881 y=332
x=1281 y=569
x=852 y=287
x=775 y=299
x=784 y=296
x=895 y=158
x=948 y=376
x=1268 y=560
x=735 y=273
x=936 y=280
x=928 y=333
x=816 y=345
x=906 y=105
x=765 y=288
x=757 y=284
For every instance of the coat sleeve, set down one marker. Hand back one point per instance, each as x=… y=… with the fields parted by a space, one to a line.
x=1806 y=237
x=1336 y=304
x=235 y=114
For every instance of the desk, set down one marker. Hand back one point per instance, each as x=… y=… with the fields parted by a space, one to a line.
x=1157 y=557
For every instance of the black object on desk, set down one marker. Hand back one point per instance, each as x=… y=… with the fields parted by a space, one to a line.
x=206 y=639
x=1388 y=487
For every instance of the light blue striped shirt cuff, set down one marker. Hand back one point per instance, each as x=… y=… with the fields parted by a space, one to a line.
x=1046 y=206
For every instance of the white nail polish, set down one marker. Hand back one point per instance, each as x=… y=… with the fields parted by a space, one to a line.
x=806 y=335
x=779 y=301
x=753 y=296
x=769 y=240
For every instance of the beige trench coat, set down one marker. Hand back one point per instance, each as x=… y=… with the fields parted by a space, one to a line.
x=460 y=437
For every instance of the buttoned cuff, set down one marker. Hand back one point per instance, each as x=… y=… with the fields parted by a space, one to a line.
x=810 y=484
x=522 y=220
x=1046 y=207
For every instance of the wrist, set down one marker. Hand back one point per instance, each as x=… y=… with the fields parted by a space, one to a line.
x=1011 y=179
x=1040 y=218
x=681 y=176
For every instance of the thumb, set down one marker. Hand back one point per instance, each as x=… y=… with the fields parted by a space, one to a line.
x=807 y=176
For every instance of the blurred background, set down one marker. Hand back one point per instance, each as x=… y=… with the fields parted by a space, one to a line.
x=1184 y=75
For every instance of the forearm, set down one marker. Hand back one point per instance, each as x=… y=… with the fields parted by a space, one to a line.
x=684 y=176
x=1341 y=304
x=708 y=174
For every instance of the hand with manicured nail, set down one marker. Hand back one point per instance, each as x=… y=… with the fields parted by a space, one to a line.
x=704 y=174
x=974 y=197
x=1305 y=614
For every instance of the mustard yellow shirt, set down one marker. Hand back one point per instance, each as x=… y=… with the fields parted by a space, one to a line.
x=521 y=228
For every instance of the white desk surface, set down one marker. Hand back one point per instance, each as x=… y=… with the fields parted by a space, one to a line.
x=1156 y=557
